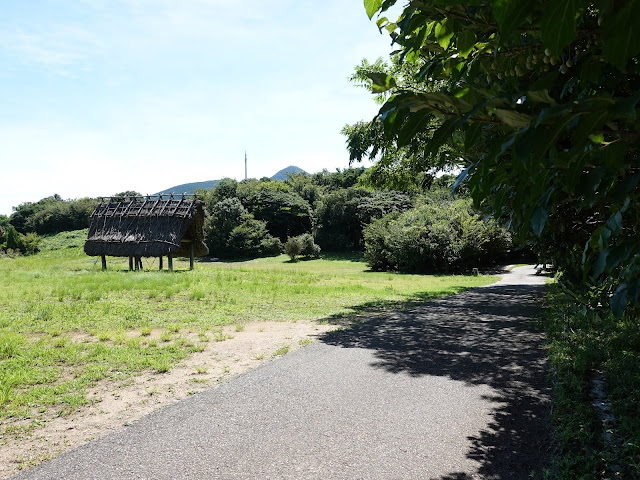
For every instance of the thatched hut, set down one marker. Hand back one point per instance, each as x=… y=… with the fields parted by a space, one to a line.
x=151 y=226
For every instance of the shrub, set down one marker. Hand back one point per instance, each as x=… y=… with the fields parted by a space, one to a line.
x=15 y=242
x=246 y=240
x=53 y=215
x=271 y=246
x=293 y=247
x=434 y=238
x=309 y=248
x=302 y=245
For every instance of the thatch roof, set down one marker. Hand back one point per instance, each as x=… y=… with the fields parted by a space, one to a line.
x=149 y=226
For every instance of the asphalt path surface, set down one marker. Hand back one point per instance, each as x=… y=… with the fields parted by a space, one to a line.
x=454 y=389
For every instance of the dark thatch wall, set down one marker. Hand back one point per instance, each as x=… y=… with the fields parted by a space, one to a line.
x=147 y=227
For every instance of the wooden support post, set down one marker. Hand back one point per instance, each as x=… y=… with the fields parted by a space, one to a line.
x=137 y=261
x=160 y=263
x=191 y=256
x=170 y=262
x=104 y=262
x=130 y=263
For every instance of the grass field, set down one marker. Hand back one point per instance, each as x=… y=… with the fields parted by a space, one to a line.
x=65 y=324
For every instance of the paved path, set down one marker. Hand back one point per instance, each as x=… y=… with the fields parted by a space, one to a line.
x=450 y=390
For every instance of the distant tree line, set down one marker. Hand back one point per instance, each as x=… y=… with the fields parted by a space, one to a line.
x=30 y=220
x=416 y=231
x=420 y=230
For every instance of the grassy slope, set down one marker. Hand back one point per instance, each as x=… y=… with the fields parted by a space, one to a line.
x=584 y=347
x=65 y=325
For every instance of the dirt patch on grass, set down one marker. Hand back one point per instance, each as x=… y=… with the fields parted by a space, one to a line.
x=115 y=405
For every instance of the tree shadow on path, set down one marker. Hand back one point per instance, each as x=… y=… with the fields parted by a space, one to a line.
x=487 y=336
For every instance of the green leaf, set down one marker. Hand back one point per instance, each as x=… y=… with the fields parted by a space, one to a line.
x=372 y=6
x=558 y=23
x=620 y=299
x=540 y=96
x=588 y=125
x=412 y=126
x=600 y=263
x=552 y=112
x=615 y=222
x=626 y=106
x=539 y=219
x=510 y=14
x=466 y=43
x=444 y=32
x=381 y=81
x=621 y=34
x=461 y=178
x=512 y=118
x=618 y=255
x=440 y=136
x=472 y=135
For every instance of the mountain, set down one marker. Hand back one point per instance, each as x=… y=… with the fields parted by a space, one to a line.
x=190 y=188
x=291 y=169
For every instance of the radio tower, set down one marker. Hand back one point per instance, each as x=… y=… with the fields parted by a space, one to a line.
x=245 y=164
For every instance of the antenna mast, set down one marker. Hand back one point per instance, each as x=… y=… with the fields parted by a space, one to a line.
x=245 y=164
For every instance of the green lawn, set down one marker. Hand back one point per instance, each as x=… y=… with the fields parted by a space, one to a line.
x=65 y=324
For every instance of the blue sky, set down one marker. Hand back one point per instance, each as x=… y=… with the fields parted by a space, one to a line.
x=102 y=96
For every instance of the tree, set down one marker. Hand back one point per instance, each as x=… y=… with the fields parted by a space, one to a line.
x=342 y=215
x=128 y=194
x=435 y=237
x=287 y=214
x=345 y=178
x=52 y=215
x=302 y=184
x=22 y=215
x=405 y=167
x=232 y=231
x=224 y=216
x=540 y=101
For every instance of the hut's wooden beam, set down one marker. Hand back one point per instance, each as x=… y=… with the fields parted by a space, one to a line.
x=130 y=263
x=191 y=256
x=170 y=262
x=160 y=262
x=104 y=262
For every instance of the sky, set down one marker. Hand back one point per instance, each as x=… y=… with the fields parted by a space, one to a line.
x=103 y=96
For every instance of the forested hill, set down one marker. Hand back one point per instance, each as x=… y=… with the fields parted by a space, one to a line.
x=209 y=184
x=191 y=187
x=291 y=169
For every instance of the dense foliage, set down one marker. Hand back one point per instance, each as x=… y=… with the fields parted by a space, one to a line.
x=435 y=237
x=330 y=206
x=232 y=231
x=13 y=242
x=537 y=104
x=343 y=213
x=254 y=218
x=302 y=245
x=538 y=101
x=52 y=215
